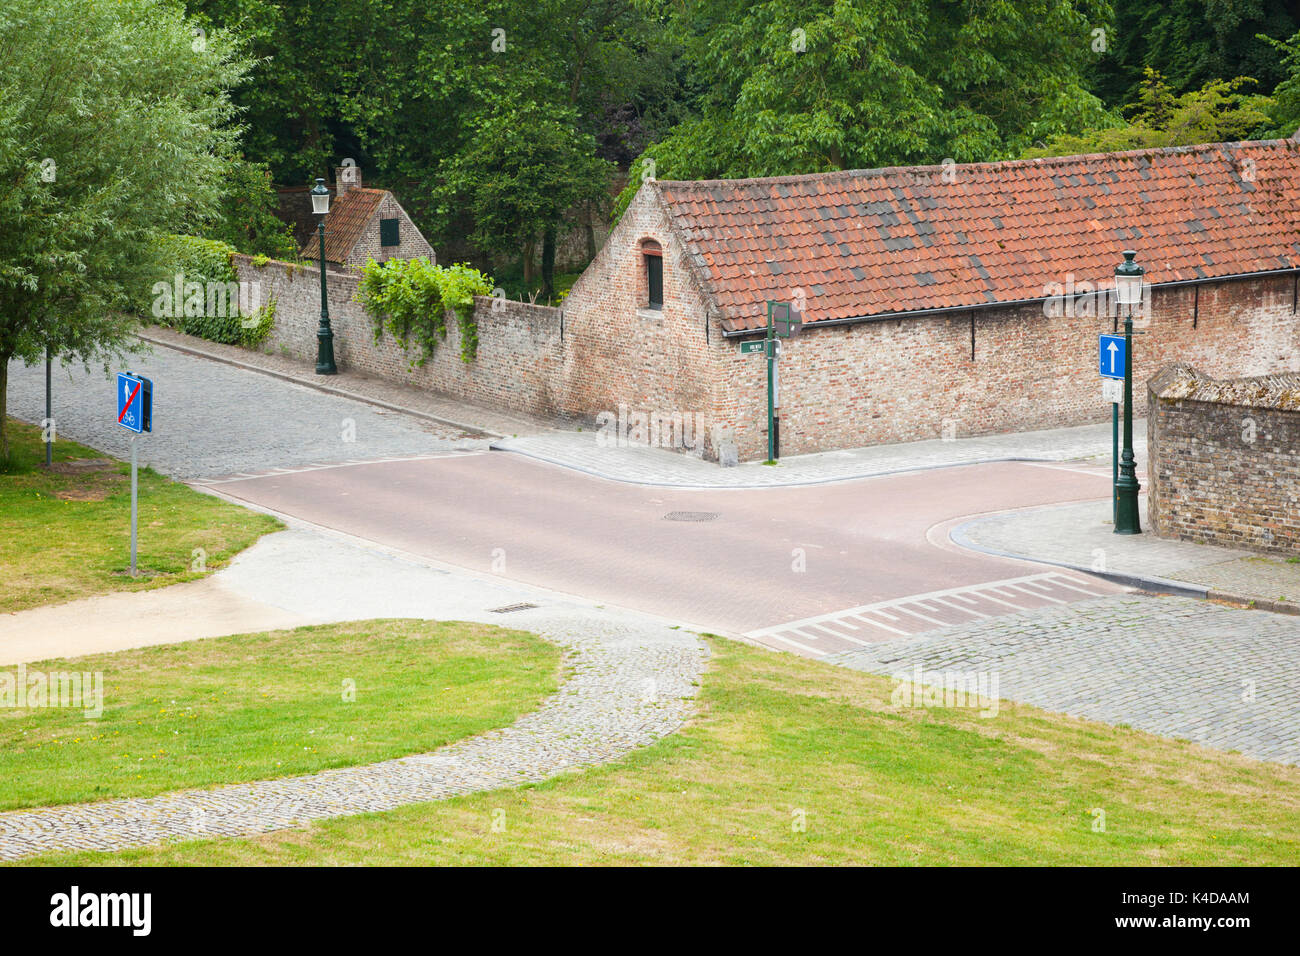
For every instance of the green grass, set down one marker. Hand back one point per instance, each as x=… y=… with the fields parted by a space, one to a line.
x=256 y=706
x=66 y=532
x=877 y=784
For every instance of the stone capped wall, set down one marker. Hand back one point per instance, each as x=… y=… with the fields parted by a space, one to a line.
x=1224 y=459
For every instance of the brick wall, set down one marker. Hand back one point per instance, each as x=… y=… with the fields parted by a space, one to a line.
x=901 y=379
x=1222 y=459
x=882 y=381
x=518 y=353
x=620 y=352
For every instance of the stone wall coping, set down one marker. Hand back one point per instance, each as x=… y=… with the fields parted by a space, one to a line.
x=1184 y=383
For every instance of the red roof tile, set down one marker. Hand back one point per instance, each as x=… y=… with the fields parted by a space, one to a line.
x=872 y=242
x=344 y=224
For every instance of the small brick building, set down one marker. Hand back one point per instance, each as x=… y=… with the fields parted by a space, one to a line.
x=939 y=301
x=364 y=224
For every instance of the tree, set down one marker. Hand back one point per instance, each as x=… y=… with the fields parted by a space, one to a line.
x=526 y=165
x=1220 y=111
x=1285 y=111
x=115 y=129
x=801 y=86
x=1192 y=42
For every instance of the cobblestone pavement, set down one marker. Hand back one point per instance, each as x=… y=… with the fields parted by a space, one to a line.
x=658 y=466
x=211 y=419
x=358 y=385
x=1219 y=676
x=1081 y=535
x=632 y=681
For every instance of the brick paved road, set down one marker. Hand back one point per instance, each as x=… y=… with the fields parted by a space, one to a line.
x=212 y=419
x=1172 y=666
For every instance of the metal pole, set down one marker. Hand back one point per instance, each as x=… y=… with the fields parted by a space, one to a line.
x=1114 y=461
x=133 y=505
x=49 y=414
x=1126 y=486
x=325 y=335
x=771 y=375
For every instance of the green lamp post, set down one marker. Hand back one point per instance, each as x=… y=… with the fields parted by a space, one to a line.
x=1128 y=287
x=320 y=205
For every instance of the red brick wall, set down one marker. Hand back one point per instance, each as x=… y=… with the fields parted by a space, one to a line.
x=899 y=380
x=618 y=351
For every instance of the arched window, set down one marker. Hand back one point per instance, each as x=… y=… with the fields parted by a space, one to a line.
x=653 y=257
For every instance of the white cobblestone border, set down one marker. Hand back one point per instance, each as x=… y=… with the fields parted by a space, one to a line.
x=630 y=684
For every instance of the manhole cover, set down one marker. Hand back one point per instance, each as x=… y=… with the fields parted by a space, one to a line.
x=691 y=515
x=511 y=607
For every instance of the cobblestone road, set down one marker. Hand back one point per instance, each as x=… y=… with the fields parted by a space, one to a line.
x=212 y=419
x=1183 y=668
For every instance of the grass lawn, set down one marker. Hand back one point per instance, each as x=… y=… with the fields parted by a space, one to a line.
x=779 y=737
x=256 y=706
x=66 y=531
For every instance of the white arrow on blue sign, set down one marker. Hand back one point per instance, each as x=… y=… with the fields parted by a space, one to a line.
x=1111 y=356
x=130 y=402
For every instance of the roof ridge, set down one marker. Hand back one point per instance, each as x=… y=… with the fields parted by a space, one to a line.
x=997 y=163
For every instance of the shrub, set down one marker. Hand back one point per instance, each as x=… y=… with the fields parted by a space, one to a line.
x=409 y=298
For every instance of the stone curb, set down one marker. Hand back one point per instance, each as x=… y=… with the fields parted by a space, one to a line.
x=1143 y=582
x=318 y=386
x=791 y=483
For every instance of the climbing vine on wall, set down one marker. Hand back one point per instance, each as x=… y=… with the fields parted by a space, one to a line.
x=410 y=298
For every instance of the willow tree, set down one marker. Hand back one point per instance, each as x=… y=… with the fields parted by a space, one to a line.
x=115 y=128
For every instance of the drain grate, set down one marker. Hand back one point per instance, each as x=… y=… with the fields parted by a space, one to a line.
x=510 y=608
x=691 y=516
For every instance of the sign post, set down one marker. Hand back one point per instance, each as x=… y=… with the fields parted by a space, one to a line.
x=1112 y=360
x=783 y=322
x=135 y=414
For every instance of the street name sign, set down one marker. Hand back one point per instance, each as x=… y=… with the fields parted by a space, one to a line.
x=134 y=402
x=757 y=345
x=1111 y=356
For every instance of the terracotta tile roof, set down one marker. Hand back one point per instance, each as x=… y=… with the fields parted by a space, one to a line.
x=344 y=224
x=871 y=242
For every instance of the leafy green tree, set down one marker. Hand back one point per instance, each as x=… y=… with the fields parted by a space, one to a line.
x=799 y=86
x=1191 y=43
x=1220 y=111
x=248 y=215
x=115 y=128
x=525 y=166
x=1285 y=111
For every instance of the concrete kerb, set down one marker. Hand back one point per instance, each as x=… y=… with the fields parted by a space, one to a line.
x=319 y=386
x=1142 y=582
x=792 y=483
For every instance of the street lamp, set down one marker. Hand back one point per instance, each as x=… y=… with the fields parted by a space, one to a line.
x=320 y=205
x=1128 y=287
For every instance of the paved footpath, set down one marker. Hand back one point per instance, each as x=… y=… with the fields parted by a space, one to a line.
x=1081 y=536
x=582 y=451
x=1179 y=667
x=633 y=679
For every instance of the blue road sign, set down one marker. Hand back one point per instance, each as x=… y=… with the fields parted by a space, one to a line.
x=1111 y=356
x=134 y=396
